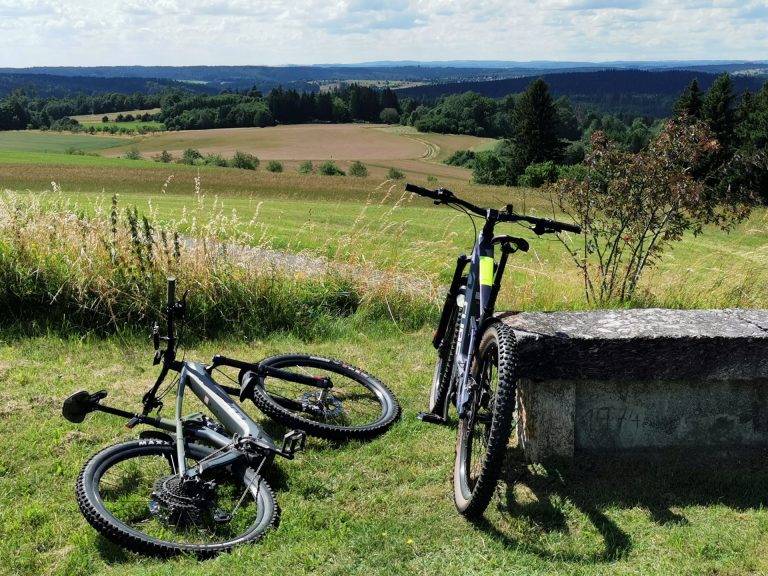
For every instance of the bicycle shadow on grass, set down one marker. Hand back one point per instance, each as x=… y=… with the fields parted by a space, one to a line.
x=564 y=510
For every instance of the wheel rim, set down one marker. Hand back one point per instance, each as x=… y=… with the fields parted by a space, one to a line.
x=133 y=490
x=350 y=403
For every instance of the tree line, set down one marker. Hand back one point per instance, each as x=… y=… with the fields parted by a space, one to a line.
x=539 y=137
x=19 y=111
x=184 y=111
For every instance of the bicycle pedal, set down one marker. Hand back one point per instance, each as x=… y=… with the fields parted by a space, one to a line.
x=431 y=418
x=294 y=441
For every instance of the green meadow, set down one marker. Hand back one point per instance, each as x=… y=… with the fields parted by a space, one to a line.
x=382 y=507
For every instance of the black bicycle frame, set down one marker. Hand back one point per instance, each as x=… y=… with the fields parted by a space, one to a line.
x=483 y=283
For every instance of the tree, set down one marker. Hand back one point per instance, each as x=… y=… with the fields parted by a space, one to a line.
x=390 y=116
x=535 y=125
x=631 y=206
x=752 y=137
x=689 y=103
x=718 y=110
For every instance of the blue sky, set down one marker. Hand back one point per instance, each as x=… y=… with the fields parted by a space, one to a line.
x=276 y=32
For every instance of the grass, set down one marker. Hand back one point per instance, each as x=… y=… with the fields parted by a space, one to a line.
x=53 y=142
x=382 y=507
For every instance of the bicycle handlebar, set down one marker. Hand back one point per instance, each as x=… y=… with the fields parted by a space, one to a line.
x=540 y=225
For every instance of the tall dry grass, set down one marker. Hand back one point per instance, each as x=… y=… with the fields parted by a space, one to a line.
x=104 y=269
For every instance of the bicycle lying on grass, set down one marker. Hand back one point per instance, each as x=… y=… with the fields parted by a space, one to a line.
x=195 y=484
x=476 y=369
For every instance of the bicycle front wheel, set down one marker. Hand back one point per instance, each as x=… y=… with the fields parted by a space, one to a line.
x=484 y=433
x=358 y=406
x=131 y=494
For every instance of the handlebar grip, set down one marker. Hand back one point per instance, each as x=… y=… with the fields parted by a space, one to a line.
x=420 y=191
x=171 y=290
x=570 y=228
x=546 y=226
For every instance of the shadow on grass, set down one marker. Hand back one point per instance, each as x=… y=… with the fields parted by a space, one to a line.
x=548 y=508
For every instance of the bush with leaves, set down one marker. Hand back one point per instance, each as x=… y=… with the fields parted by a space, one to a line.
x=358 y=169
x=306 y=167
x=215 y=160
x=133 y=154
x=631 y=206
x=244 y=161
x=191 y=156
x=395 y=174
x=329 y=168
x=274 y=166
x=536 y=175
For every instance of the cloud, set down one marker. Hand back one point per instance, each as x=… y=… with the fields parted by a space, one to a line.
x=185 y=32
x=359 y=16
x=601 y=4
x=27 y=8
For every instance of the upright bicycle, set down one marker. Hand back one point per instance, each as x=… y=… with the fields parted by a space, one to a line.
x=195 y=483
x=476 y=369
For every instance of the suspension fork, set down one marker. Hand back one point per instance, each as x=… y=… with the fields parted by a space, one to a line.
x=450 y=300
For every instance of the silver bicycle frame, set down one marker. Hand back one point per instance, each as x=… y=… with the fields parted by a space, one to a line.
x=234 y=419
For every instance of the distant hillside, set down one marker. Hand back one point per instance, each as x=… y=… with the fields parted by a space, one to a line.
x=47 y=85
x=628 y=88
x=638 y=92
x=213 y=79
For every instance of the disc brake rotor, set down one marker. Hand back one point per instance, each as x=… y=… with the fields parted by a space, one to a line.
x=329 y=407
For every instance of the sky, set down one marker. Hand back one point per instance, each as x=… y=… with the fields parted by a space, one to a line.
x=280 y=32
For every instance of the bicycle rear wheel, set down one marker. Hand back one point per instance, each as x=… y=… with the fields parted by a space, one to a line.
x=446 y=357
x=130 y=492
x=484 y=433
x=358 y=406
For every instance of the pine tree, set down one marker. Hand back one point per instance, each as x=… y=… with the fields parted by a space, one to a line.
x=718 y=110
x=535 y=125
x=690 y=102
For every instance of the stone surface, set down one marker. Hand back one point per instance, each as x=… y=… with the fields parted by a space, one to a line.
x=643 y=344
x=608 y=381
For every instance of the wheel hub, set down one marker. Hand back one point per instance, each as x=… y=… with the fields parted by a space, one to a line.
x=328 y=407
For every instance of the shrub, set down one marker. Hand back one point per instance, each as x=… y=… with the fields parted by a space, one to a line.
x=306 y=167
x=244 y=161
x=133 y=154
x=358 y=169
x=631 y=206
x=463 y=158
x=329 y=168
x=164 y=157
x=191 y=156
x=395 y=174
x=390 y=116
x=274 y=166
x=536 y=175
x=215 y=160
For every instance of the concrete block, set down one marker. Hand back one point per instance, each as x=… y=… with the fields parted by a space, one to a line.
x=612 y=381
